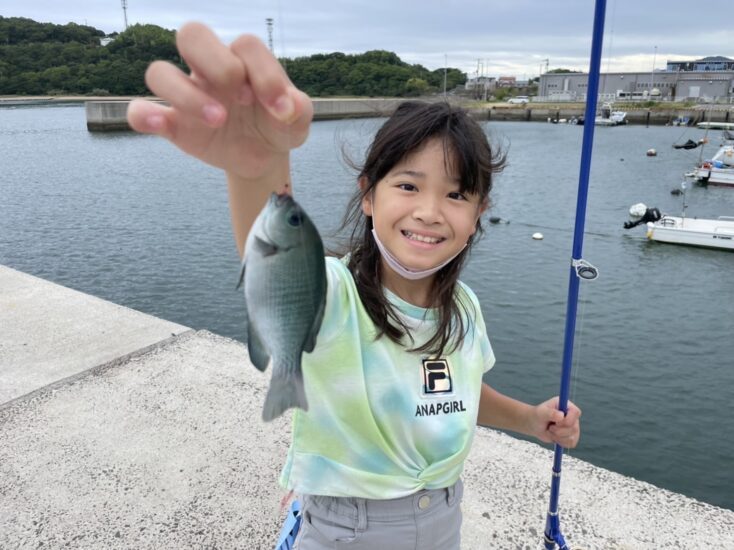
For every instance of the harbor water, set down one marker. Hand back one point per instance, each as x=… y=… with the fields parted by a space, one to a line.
x=130 y=219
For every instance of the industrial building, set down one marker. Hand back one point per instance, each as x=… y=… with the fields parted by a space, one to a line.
x=710 y=79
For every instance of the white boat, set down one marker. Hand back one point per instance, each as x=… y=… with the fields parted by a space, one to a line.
x=710 y=233
x=719 y=170
x=609 y=117
x=718 y=233
x=715 y=125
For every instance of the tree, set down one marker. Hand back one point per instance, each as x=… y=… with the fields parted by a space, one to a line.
x=416 y=86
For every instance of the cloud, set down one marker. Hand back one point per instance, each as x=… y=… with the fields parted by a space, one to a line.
x=508 y=37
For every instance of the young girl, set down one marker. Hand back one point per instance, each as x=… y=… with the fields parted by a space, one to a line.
x=394 y=384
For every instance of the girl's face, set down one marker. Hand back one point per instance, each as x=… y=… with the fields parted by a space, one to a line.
x=418 y=211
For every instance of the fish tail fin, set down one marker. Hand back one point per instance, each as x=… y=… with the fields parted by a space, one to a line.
x=286 y=391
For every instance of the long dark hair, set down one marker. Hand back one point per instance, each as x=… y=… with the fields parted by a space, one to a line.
x=409 y=128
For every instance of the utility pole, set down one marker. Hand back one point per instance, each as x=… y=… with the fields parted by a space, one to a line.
x=652 y=74
x=445 y=69
x=485 y=84
x=269 y=23
x=124 y=11
x=476 y=86
x=547 y=62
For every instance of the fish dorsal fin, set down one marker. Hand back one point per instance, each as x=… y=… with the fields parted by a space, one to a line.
x=258 y=352
x=242 y=273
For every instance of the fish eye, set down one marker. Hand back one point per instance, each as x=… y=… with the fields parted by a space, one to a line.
x=295 y=219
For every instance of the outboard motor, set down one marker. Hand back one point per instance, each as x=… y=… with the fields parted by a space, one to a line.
x=639 y=214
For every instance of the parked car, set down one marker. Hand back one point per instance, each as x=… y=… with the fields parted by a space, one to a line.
x=518 y=99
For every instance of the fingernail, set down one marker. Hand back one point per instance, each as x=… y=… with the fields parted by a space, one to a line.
x=155 y=122
x=213 y=114
x=283 y=107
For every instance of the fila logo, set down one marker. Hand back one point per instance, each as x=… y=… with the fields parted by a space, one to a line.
x=436 y=377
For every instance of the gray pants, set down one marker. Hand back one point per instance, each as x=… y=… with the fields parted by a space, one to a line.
x=426 y=520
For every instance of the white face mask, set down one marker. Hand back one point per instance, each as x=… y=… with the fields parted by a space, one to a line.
x=403 y=271
x=393 y=262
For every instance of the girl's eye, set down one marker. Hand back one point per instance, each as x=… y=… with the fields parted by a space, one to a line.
x=458 y=196
x=406 y=186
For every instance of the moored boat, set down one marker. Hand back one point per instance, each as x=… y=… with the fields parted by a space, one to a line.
x=608 y=117
x=715 y=125
x=710 y=233
x=719 y=170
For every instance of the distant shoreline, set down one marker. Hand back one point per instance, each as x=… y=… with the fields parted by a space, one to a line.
x=113 y=118
x=471 y=103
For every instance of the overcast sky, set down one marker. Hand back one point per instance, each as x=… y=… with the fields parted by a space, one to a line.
x=510 y=37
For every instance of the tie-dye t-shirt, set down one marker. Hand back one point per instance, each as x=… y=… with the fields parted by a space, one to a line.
x=384 y=422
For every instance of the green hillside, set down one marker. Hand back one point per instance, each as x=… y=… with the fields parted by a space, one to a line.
x=46 y=59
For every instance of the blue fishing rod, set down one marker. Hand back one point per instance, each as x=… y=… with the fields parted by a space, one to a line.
x=580 y=269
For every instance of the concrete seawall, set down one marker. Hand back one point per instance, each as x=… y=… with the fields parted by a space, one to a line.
x=121 y=430
x=111 y=115
x=108 y=116
x=634 y=116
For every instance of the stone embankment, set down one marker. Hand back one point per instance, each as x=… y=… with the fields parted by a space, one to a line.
x=121 y=430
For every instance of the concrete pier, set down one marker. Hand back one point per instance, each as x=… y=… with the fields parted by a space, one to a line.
x=109 y=116
x=121 y=430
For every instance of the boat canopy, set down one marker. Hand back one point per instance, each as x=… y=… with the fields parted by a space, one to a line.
x=725 y=155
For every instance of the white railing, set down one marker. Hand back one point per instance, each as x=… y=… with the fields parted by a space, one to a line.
x=612 y=97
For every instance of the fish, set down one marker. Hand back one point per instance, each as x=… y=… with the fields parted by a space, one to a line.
x=284 y=276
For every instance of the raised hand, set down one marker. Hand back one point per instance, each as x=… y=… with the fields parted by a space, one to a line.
x=237 y=110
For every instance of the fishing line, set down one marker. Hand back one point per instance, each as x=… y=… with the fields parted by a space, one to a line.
x=284 y=62
x=610 y=42
x=563 y=229
x=680 y=136
x=578 y=348
x=289 y=184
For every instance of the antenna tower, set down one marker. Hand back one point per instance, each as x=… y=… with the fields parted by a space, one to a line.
x=269 y=23
x=124 y=11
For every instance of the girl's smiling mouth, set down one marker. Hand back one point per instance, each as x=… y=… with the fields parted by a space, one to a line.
x=417 y=237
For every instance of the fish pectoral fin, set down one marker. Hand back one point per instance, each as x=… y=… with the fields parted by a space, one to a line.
x=255 y=348
x=263 y=247
x=242 y=275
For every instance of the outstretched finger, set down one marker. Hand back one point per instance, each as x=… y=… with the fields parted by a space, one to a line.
x=149 y=117
x=303 y=108
x=170 y=83
x=211 y=61
x=267 y=79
